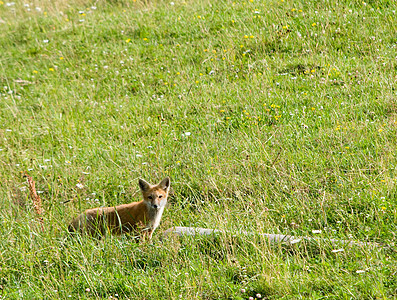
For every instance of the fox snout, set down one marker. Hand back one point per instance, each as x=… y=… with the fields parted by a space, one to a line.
x=157 y=202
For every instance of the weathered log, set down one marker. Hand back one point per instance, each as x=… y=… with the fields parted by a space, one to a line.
x=272 y=238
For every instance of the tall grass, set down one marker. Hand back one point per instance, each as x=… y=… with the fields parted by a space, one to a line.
x=269 y=116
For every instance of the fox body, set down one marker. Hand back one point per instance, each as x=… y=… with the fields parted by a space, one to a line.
x=136 y=217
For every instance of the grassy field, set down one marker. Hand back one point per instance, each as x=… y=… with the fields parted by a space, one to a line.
x=269 y=117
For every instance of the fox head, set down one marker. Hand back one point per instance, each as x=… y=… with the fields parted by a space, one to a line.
x=155 y=196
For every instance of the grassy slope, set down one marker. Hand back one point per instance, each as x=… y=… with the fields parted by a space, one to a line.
x=292 y=120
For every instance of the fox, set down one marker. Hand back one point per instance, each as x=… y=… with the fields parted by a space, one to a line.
x=141 y=218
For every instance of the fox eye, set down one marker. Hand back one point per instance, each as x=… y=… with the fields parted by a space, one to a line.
x=160 y=196
x=150 y=197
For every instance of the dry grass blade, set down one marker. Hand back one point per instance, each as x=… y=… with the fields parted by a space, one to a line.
x=36 y=199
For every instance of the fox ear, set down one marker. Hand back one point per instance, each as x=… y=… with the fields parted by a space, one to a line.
x=143 y=185
x=165 y=183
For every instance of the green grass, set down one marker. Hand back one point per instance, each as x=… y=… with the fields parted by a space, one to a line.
x=291 y=111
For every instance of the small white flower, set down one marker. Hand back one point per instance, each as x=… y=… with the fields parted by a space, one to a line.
x=316 y=231
x=79 y=186
x=188 y=133
x=38 y=8
x=242 y=290
x=93 y=7
x=172 y=3
x=258 y=296
x=68 y=162
x=85 y=173
x=45 y=41
x=360 y=271
x=337 y=250
x=8 y=130
x=88 y=290
x=47 y=160
x=138 y=155
x=40 y=192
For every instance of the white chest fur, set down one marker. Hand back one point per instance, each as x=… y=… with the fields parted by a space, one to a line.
x=154 y=218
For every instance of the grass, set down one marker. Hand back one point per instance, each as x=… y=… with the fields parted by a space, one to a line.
x=269 y=116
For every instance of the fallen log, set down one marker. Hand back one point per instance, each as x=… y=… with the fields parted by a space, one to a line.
x=272 y=238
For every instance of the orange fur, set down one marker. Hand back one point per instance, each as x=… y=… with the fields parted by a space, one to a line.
x=136 y=217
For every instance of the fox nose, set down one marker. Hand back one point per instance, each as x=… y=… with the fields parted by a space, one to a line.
x=155 y=206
